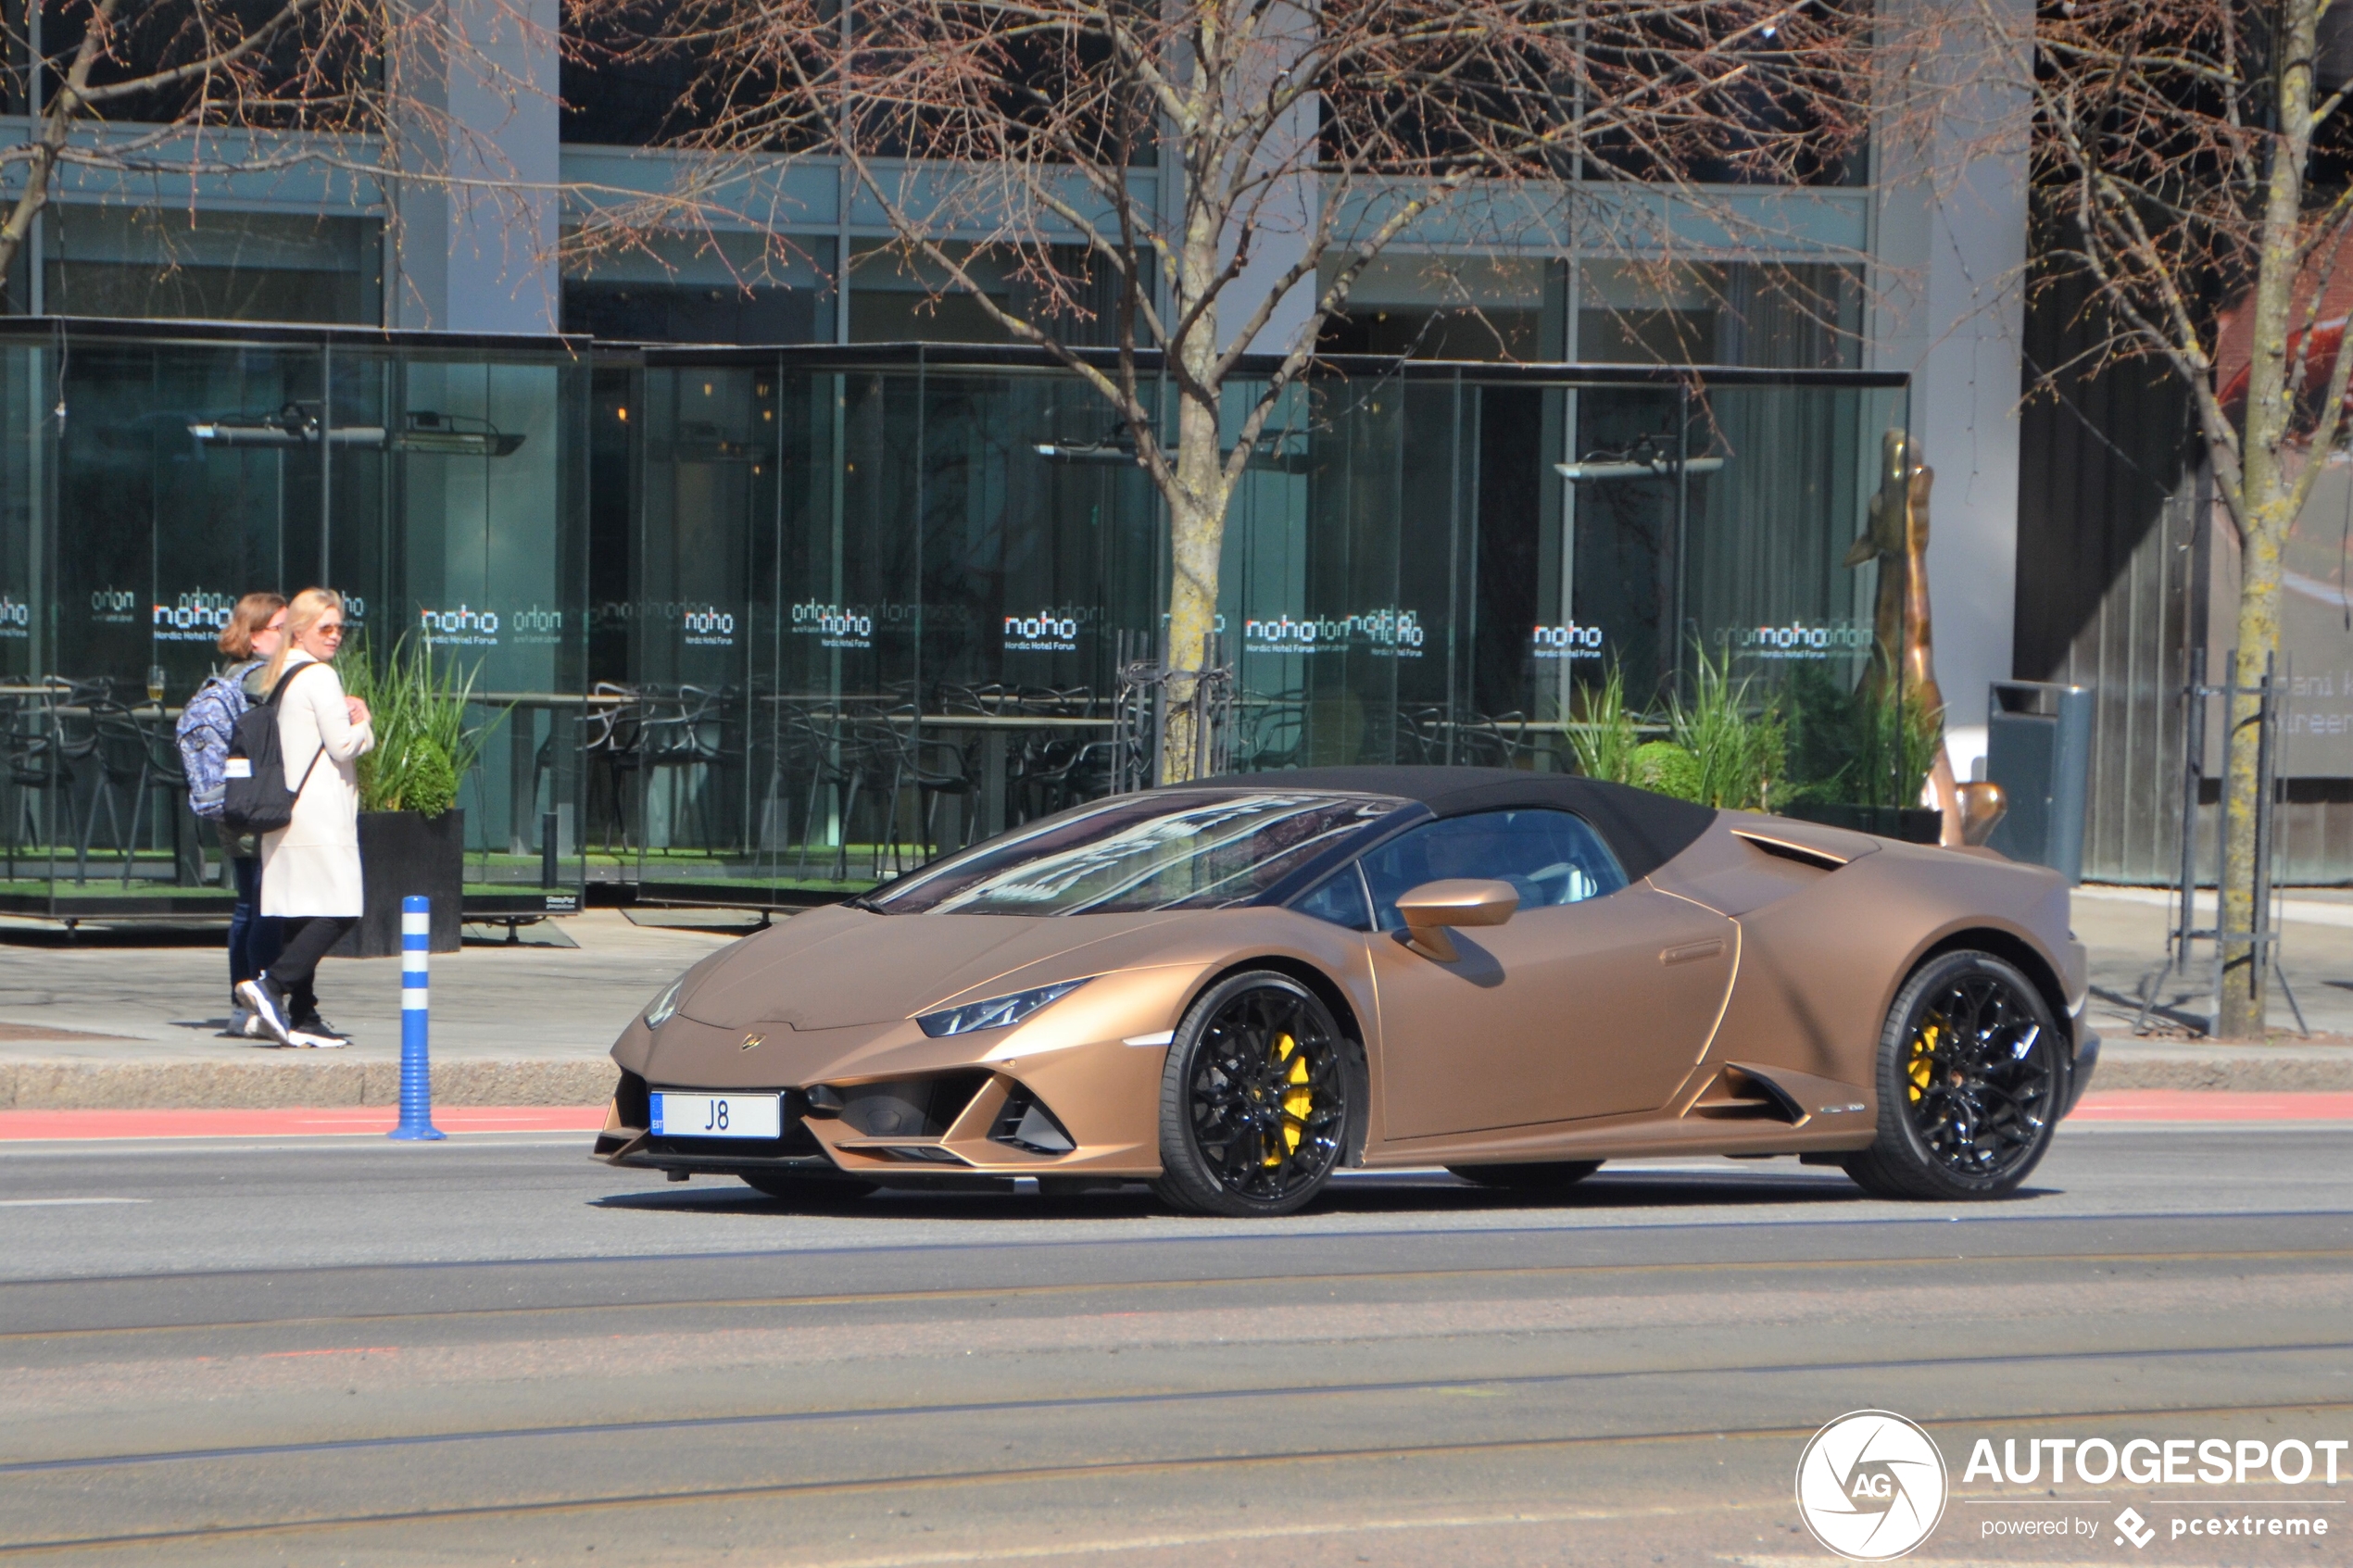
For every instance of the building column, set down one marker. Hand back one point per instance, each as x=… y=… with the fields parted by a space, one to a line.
x=475 y=244
x=1949 y=290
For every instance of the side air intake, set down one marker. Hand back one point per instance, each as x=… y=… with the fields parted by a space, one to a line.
x=1025 y=1123
x=1736 y=1096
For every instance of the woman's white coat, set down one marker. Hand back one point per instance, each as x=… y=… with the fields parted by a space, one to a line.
x=311 y=867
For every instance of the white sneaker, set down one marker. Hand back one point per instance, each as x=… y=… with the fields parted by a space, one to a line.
x=269 y=1005
x=315 y=1033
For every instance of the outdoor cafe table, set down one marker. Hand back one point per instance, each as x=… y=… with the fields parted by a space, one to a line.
x=993 y=729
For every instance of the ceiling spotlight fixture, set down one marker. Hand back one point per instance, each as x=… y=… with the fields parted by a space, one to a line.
x=297 y=424
x=1651 y=467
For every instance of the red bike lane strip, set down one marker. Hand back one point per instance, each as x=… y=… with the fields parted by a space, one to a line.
x=2212 y=1105
x=363 y=1121
x=290 y=1121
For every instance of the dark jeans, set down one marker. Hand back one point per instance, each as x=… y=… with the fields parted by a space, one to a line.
x=254 y=937
x=297 y=966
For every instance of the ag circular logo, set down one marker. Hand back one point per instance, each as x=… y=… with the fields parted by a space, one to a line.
x=1871 y=1485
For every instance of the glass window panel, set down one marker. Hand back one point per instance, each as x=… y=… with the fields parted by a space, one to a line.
x=705 y=288
x=1549 y=856
x=1188 y=849
x=134 y=262
x=1339 y=899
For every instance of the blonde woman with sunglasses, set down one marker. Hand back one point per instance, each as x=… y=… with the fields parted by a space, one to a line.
x=310 y=867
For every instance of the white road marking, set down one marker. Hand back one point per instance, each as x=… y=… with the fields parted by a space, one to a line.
x=62 y=1202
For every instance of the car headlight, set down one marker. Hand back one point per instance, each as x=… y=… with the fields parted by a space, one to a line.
x=664 y=1005
x=997 y=1012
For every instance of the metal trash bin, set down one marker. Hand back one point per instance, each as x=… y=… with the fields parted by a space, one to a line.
x=2038 y=747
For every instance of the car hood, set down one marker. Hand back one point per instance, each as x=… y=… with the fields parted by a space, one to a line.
x=837 y=967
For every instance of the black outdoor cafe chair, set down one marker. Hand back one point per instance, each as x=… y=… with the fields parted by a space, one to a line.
x=136 y=755
x=33 y=769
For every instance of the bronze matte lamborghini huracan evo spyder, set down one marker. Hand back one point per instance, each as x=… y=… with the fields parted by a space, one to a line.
x=1233 y=989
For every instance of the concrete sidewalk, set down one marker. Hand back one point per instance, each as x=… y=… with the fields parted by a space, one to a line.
x=131 y=1019
x=2125 y=929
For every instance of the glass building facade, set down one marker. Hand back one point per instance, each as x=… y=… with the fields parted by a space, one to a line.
x=753 y=623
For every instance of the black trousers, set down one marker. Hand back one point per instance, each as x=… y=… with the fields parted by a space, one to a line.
x=297 y=966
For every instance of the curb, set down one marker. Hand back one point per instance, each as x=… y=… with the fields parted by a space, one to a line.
x=304 y=1082
x=2260 y=1070
x=282 y=1121
x=279 y=1080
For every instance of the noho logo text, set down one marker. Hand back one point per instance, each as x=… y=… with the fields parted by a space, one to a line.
x=465 y=619
x=831 y=621
x=1570 y=641
x=196 y=614
x=1045 y=629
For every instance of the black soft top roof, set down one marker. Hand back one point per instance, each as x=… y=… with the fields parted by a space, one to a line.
x=1645 y=831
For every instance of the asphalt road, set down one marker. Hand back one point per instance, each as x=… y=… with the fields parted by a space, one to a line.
x=496 y=1351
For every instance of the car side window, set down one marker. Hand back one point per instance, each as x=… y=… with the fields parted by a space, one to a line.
x=1551 y=857
x=1339 y=899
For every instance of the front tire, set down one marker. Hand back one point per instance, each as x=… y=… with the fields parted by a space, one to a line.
x=1971 y=1079
x=1253 y=1103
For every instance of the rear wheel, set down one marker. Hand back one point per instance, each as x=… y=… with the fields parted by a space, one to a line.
x=1534 y=1180
x=1253 y=1104
x=1971 y=1082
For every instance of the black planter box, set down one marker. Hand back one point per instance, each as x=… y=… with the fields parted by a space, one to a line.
x=1914 y=824
x=402 y=854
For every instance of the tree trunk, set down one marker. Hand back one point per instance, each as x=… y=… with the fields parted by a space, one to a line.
x=2268 y=496
x=1196 y=541
x=1197 y=511
x=48 y=146
x=2241 y=1005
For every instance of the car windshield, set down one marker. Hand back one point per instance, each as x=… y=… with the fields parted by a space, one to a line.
x=1168 y=849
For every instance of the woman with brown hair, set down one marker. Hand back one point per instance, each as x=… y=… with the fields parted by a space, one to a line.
x=254 y=629
x=310 y=867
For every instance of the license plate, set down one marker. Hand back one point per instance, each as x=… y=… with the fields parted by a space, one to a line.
x=718 y=1116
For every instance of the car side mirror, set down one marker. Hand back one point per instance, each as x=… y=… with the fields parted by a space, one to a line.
x=1430 y=908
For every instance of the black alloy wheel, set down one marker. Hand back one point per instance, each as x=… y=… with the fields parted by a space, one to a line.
x=1253 y=1103
x=1971 y=1079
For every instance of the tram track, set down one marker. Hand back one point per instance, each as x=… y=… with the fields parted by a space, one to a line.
x=935 y=1481
x=1191 y=1235
x=1072 y=1403
x=886 y=1387
x=1079 y=1288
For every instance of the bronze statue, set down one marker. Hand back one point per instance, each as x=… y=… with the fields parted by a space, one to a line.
x=1904 y=661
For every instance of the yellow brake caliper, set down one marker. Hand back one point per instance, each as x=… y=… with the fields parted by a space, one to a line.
x=1298 y=1099
x=1923 y=1054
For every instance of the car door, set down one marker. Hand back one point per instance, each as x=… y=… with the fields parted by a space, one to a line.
x=1595 y=998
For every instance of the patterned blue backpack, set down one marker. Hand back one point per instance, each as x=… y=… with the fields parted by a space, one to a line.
x=207 y=725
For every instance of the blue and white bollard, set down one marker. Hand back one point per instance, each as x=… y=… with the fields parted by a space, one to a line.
x=416 y=1067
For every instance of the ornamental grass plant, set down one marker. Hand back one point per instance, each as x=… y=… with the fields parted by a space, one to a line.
x=1606 y=740
x=424 y=747
x=1740 y=748
x=1868 y=746
x=1721 y=750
